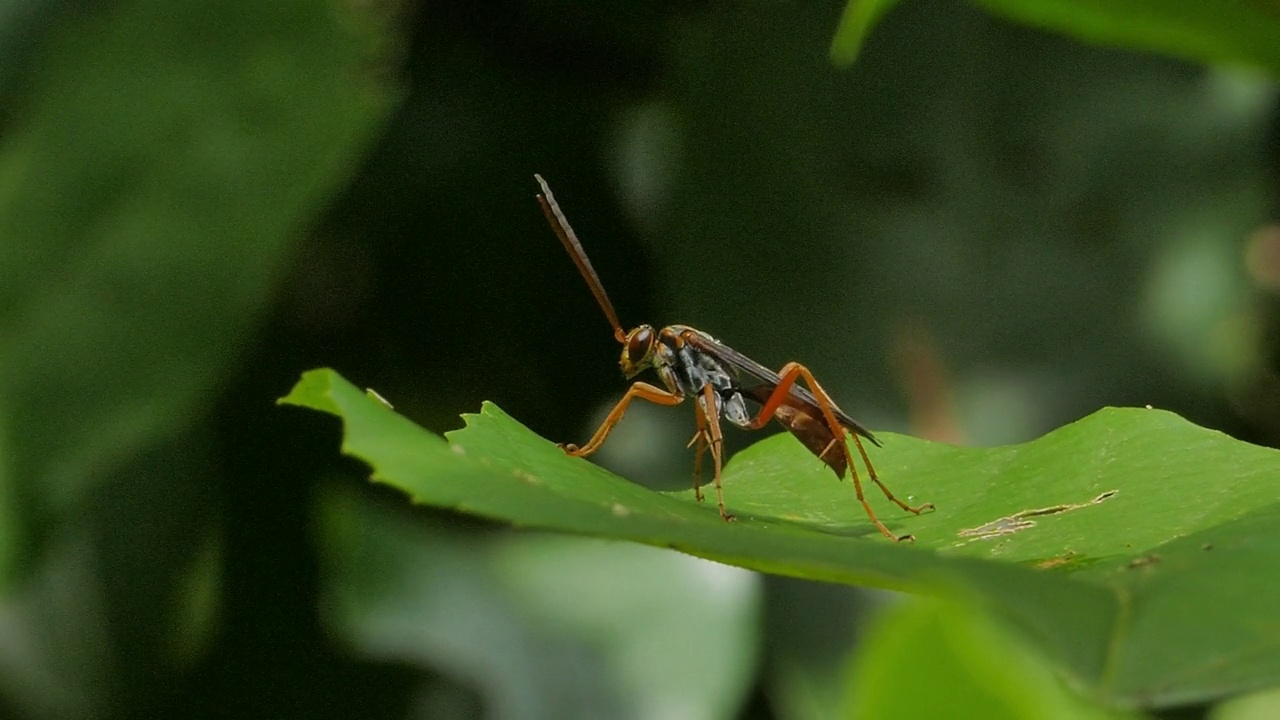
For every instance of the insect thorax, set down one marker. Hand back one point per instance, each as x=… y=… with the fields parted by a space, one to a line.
x=687 y=371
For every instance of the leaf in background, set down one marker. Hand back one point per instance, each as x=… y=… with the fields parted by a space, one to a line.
x=1256 y=706
x=157 y=163
x=812 y=629
x=859 y=17
x=1144 y=515
x=959 y=146
x=153 y=175
x=1222 y=31
x=931 y=658
x=636 y=605
x=542 y=626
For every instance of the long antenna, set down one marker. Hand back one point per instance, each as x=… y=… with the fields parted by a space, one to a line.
x=560 y=224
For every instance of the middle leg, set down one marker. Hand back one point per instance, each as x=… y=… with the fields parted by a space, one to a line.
x=710 y=416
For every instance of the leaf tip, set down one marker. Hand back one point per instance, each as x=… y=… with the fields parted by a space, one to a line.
x=314 y=391
x=491 y=409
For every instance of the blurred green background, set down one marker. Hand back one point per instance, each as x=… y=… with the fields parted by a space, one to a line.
x=976 y=233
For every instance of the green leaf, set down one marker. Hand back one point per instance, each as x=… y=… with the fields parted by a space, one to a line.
x=931 y=658
x=855 y=25
x=531 y=620
x=1221 y=31
x=581 y=587
x=158 y=162
x=1163 y=536
x=146 y=207
x=1217 y=31
x=1257 y=706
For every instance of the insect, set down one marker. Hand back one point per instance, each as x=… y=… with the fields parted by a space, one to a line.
x=691 y=363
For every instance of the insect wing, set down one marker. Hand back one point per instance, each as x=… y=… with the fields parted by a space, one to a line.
x=767 y=380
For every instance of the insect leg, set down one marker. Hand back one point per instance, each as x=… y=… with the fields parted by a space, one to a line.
x=872 y=471
x=700 y=439
x=641 y=390
x=787 y=376
x=711 y=416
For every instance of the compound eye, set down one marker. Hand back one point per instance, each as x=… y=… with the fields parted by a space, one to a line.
x=640 y=343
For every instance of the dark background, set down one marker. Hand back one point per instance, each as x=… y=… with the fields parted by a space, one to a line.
x=977 y=233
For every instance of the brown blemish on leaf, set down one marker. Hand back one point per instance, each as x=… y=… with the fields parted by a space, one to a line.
x=1019 y=521
x=1144 y=561
x=1058 y=561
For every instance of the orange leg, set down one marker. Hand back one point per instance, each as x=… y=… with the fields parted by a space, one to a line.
x=790 y=373
x=700 y=439
x=641 y=390
x=709 y=419
x=915 y=510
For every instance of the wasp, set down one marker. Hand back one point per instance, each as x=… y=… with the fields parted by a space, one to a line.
x=723 y=383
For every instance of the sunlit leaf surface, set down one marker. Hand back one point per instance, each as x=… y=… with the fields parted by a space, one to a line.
x=1134 y=548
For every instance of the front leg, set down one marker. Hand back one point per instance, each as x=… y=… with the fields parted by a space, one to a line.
x=641 y=390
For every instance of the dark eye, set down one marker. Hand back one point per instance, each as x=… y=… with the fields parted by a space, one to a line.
x=640 y=342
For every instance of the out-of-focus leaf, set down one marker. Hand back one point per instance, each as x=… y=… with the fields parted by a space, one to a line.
x=1106 y=498
x=542 y=626
x=1218 y=31
x=157 y=163
x=859 y=17
x=10 y=524
x=679 y=633
x=930 y=658
x=959 y=147
x=196 y=607
x=1256 y=706
x=811 y=629
x=152 y=177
